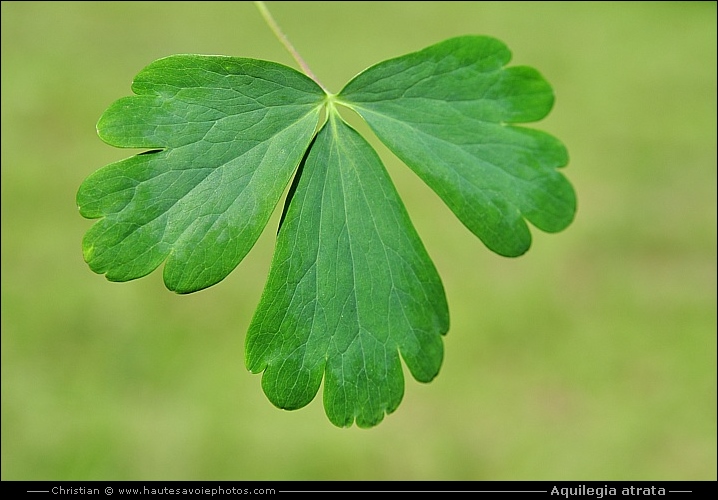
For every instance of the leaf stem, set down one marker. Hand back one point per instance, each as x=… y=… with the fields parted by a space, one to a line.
x=287 y=44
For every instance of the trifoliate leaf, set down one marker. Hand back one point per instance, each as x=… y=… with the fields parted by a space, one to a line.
x=448 y=112
x=351 y=293
x=231 y=133
x=351 y=288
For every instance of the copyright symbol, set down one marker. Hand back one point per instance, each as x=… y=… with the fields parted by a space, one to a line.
x=108 y=491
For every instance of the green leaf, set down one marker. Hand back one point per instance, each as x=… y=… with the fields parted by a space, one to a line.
x=351 y=291
x=351 y=287
x=448 y=112
x=231 y=132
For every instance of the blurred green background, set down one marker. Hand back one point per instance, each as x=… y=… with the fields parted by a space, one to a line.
x=591 y=357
